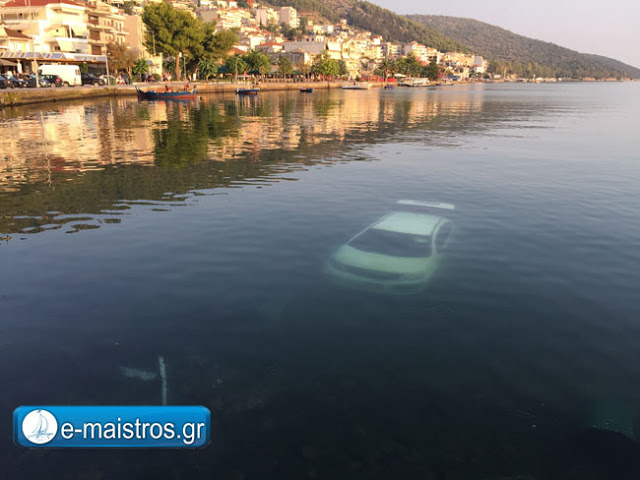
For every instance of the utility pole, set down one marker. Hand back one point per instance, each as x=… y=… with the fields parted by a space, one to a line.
x=106 y=62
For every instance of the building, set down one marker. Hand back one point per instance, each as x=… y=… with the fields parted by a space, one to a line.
x=54 y=25
x=313 y=48
x=14 y=41
x=106 y=25
x=135 y=29
x=289 y=17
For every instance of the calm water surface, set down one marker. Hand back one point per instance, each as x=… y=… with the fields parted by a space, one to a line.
x=199 y=232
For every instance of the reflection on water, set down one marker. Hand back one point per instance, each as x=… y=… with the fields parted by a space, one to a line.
x=94 y=158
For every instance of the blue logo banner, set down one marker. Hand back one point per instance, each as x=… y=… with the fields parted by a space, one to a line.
x=112 y=426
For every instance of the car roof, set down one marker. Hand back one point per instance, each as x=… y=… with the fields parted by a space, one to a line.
x=408 y=222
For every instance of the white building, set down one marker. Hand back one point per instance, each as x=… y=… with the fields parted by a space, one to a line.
x=289 y=17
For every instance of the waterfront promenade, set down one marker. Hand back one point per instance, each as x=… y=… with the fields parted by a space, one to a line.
x=16 y=97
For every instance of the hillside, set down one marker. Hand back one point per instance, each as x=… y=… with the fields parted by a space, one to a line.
x=521 y=53
x=379 y=21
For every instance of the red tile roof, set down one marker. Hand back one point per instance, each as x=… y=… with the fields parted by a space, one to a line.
x=38 y=3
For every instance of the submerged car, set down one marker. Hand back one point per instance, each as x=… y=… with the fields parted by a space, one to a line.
x=398 y=253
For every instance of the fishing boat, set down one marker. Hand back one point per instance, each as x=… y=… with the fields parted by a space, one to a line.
x=357 y=86
x=247 y=91
x=162 y=95
x=306 y=90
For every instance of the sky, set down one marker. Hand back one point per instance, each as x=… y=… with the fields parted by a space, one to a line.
x=610 y=28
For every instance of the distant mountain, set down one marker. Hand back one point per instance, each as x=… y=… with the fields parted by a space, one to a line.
x=521 y=54
x=377 y=20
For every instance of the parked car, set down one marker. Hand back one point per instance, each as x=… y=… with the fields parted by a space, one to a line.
x=111 y=79
x=4 y=82
x=17 y=82
x=54 y=80
x=398 y=253
x=31 y=81
x=91 y=79
x=70 y=74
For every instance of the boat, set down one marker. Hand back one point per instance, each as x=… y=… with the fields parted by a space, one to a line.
x=247 y=91
x=161 y=95
x=306 y=90
x=389 y=87
x=357 y=86
x=415 y=82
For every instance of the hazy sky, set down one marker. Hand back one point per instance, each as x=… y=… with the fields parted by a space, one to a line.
x=610 y=28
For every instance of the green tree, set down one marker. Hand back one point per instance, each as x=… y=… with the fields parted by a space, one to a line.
x=174 y=32
x=207 y=68
x=432 y=72
x=236 y=65
x=216 y=45
x=386 y=68
x=284 y=66
x=127 y=6
x=325 y=66
x=409 y=65
x=342 y=68
x=141 y=66
x=258 y=62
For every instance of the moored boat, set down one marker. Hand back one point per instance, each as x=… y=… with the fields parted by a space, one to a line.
x=247 y=91
x=415 y=82
x=306 y=90
x=357 y=86
x=164 y=95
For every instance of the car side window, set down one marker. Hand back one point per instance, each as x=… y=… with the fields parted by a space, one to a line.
x=443 y=236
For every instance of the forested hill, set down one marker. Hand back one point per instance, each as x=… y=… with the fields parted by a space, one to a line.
x=518 y=52
x=377 y=20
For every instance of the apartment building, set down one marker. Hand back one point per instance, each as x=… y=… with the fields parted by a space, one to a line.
x=106 y=25
x=53 y=25
x=289 y=17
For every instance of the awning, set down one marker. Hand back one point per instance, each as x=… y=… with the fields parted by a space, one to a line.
x=7 y=63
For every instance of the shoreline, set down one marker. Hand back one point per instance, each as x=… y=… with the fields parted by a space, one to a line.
x=32 y=96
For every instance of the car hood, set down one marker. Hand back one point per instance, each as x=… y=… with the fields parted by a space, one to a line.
x=348 y=255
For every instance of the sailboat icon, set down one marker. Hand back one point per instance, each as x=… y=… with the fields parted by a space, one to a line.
x=39 y=426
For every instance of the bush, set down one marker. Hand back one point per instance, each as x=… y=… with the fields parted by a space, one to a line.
x=156 y=77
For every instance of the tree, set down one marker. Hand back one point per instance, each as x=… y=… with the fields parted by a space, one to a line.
x=325 y=66
x=409 y=65
x=141 y=66
x=432 y=72
x=120 y=57
x=218 y=44
x=386 y=68
x=174 y=32
x=284 y=66
x=207 y=68
x=236 y=65
x=342 y=68
x=258 y=62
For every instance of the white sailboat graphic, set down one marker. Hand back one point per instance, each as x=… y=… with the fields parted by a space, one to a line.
x=41 y=432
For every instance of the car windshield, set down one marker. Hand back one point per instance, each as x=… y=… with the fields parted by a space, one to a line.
x=396 y=244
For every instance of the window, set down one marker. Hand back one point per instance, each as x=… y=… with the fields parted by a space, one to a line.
x=443 y=235
x=393 y=243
